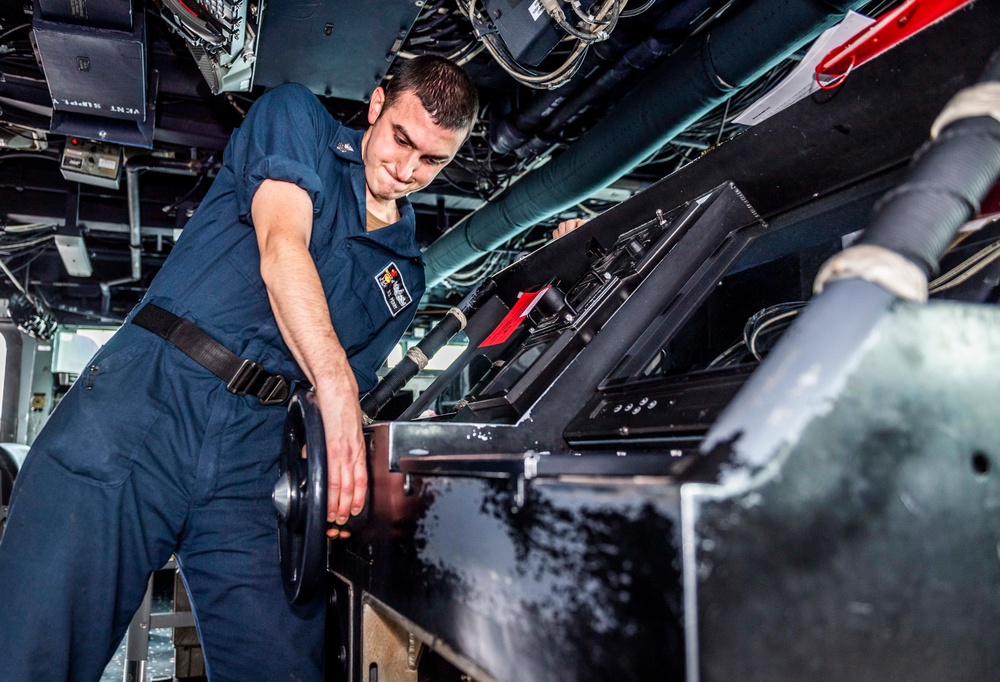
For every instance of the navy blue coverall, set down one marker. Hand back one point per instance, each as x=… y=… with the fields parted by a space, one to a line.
x=149 y=455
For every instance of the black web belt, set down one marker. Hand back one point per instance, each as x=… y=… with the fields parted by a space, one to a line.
x=242 y=377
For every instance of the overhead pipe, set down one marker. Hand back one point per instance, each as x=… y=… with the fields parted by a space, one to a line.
x=744 y=44
x=666 y=36
x=132 y=171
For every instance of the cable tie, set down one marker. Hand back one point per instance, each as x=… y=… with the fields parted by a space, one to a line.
x=484 y=28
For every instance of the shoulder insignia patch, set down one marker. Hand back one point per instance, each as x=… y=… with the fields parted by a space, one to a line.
x=390 y=283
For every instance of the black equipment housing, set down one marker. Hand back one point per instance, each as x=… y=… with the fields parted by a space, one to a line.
x=605 y=503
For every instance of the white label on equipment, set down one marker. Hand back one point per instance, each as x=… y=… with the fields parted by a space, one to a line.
x=110 y=164
x=535 y=9
x=801 y=81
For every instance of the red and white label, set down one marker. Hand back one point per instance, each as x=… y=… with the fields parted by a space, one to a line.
x=512 y=320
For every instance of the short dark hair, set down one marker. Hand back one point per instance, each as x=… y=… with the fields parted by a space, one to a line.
x=443 y=87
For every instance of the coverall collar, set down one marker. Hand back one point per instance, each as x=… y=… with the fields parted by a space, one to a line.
x=397 y=237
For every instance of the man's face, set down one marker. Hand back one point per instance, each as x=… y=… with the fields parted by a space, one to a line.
x=404 y=149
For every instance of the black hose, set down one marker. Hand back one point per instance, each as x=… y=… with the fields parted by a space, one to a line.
x=436 y=338
x=950 y=178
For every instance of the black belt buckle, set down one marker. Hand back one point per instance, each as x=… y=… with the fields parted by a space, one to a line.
x=251 y=378
x=247 y=378
x=274 y=391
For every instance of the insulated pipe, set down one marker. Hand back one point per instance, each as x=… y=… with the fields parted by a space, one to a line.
x=134 y=221
x=746 y=42
x=666 y=35
x=512 y=131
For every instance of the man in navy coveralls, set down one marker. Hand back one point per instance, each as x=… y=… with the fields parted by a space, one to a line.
x=301 y=258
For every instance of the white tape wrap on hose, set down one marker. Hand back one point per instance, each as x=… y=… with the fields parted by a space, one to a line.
x=979 y=100
x=876 y=264
x=418 y=357
x=460 y=315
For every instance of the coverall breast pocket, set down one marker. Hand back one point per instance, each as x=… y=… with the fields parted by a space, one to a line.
x=100 y=425
x=352 y=322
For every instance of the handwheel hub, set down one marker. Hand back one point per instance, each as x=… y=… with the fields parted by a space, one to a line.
x=282 y=495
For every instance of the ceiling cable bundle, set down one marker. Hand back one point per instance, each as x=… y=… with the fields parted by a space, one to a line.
x=595 y=27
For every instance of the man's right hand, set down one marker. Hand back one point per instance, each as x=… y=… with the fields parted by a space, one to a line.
x=346 y=457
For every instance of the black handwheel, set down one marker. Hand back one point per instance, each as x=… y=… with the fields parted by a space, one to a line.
x=300 y=499
x=8 y=472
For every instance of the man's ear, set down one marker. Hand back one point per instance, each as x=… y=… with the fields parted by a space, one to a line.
x=375 y=105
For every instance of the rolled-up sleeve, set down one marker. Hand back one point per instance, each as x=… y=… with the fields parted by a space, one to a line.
x=283 y=138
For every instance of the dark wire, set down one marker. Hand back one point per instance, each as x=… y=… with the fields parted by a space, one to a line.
x=24 y=266
x=16 y=28
x=27 y=155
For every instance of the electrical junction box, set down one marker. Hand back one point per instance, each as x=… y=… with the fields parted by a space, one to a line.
x=73 y=251
x=92 y=163
x=527 y=30
x=336 y=48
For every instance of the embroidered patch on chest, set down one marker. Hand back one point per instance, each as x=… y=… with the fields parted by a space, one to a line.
x=390 y=283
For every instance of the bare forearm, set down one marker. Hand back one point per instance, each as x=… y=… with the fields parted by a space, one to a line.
x=282 y=215
x=300 y=308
